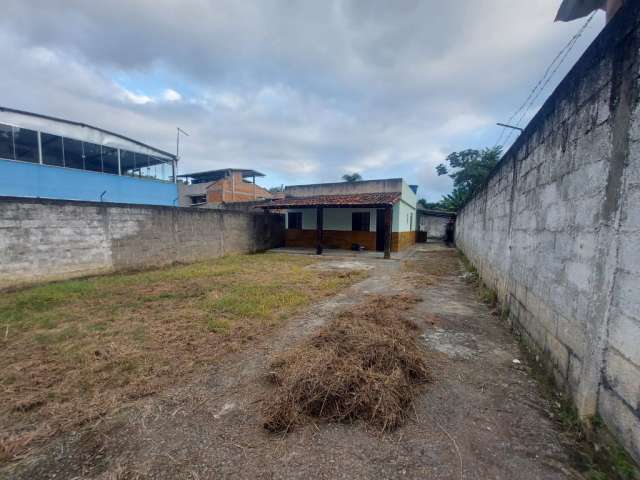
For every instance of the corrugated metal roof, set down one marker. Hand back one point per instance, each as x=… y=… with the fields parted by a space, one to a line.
x=213 y=175
x=339 y=201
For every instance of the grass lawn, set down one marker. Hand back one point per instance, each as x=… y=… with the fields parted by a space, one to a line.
x=75 y=350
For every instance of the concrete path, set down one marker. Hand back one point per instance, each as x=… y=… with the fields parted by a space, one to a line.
x=481 y=418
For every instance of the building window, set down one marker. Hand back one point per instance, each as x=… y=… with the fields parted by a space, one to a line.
x=73 y=153
x=92 y=157
x=6 y=142
x=360 y=221
x=411 y=222
x=25 y=144
x=198 y=199
x=52 y=150
x=295 y=220
x=109 y=160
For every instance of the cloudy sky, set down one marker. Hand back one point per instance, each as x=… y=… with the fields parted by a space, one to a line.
x=303 y=91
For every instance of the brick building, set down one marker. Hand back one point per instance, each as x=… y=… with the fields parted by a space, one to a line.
x=215 y=187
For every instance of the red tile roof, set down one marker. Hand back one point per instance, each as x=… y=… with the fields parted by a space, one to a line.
x=353 y=200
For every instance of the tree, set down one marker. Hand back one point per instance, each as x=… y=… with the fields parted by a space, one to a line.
x=472 y=167
x=469 y=169
x=454 y=201
x=351 y=178
x=422 y=203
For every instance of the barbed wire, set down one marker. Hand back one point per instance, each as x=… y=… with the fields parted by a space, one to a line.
x=539 y=87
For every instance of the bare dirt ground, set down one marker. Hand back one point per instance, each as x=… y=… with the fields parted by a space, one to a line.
x=482 y=417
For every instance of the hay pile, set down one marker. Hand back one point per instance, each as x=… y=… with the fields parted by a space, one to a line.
x=364 y=365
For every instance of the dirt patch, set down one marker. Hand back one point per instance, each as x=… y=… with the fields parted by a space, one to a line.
x=431 y=267
x=344 y=265
x=364 y=365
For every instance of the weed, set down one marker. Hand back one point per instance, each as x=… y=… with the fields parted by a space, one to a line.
x=597 y=454
x=218 y=325
x=489 y=296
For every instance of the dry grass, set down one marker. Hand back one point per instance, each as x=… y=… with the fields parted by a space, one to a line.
x=364 y=365
x=428 y=268
x=76 y=350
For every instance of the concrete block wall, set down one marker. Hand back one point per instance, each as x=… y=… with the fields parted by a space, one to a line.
x=44 y=240
x=556 y=230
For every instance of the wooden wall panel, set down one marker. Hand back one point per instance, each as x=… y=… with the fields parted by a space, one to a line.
x=331 y=239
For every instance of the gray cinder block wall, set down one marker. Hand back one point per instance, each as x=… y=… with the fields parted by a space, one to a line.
x=556 y=230
x=44 y=240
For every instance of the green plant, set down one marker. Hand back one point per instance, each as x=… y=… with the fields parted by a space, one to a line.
x=218 y=325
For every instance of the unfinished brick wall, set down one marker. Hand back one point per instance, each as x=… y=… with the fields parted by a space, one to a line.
x=235 y=189
x=556 y=230
x=43 y=240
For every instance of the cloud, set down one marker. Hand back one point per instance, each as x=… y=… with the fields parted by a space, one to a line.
x=170 y=95
x=303 y=91
x=137 y=98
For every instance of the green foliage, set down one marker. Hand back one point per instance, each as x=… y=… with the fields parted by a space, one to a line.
x=422 y=203
x=468 y=169
x=352 y=177
x=455 y=200
x=279 y=189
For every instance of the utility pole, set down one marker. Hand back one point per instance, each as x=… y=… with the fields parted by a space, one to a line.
x=175 y=168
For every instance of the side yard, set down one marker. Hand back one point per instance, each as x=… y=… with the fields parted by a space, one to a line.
x=74 y=351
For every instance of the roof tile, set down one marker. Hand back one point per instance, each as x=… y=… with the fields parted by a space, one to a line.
x=352 y=200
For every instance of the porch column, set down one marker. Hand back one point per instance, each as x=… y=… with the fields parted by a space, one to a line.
x=319 y=218
x=388 y=217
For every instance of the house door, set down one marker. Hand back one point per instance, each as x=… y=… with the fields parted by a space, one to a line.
x=380 y=230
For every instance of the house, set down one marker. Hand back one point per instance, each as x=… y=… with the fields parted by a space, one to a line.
x=215 y=187
x=49 y=157
x=378 y=215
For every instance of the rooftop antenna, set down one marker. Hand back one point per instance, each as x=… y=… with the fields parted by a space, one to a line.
x=179 y=131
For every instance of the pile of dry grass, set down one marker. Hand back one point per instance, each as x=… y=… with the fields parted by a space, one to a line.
x=364 y=365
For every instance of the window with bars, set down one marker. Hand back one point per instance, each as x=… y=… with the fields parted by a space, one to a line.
x=295 y=220
x=360 y=221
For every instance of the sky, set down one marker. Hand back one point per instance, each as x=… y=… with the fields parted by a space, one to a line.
x=303 y=91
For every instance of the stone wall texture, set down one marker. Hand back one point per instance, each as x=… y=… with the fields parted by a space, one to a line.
x=44 y=240
x=556 y=230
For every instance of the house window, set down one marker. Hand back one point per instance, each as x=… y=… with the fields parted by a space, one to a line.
x=360 y=221
x=295 y=220
x=198 y=199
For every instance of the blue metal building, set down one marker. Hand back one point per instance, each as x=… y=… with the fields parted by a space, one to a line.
x=47 y=157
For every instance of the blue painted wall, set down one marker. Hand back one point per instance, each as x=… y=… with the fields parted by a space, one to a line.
x=22 y=179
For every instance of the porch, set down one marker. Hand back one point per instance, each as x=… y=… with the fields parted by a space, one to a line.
x=307 y=219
